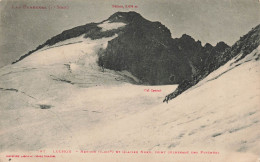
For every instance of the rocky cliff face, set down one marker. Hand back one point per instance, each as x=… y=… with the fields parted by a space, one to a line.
x=146 y=49
x=219 y=56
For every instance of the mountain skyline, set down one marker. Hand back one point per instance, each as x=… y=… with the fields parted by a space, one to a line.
x=78 y=91
x=144 y=48
x=147 y=50
x=200 y=19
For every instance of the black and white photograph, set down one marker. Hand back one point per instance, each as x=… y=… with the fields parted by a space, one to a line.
x=130 y=80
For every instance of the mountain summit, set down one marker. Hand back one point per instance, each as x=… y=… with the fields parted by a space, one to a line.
x=87 y=81
x=143 y=48
x=125 y=17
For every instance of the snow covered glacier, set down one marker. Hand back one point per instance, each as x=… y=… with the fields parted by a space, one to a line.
x=58 y=97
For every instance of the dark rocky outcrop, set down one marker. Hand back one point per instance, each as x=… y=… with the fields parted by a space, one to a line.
x=146 y=49
x=244 y=46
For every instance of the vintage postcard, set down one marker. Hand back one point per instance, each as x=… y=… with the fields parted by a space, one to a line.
x=130 y=80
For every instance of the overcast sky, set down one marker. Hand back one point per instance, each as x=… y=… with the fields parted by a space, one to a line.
x=22 y=30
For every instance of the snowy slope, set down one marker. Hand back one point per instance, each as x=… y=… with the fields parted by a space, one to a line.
x=220 y=114
x=59 y=98
x=107 y=25
x=50 y=93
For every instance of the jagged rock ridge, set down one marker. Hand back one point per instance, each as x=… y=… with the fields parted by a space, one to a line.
x=146 y=49
x=244 y=46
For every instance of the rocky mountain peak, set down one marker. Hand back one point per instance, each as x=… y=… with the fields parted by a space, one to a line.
x=186 y=37
x=143 y=48
x=221 y=46
x=125 y=17
x=220 y=55
x=208 y=46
